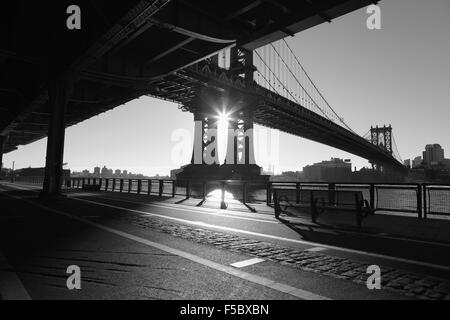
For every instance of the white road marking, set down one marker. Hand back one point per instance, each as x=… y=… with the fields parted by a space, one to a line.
x=11 y=288
x=299 y=293
x=200 y=223
x=375 y=255
x=316 y=249
x=80 y=194
x=246 y=263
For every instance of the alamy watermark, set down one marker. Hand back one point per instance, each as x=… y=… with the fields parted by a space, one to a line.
x=373 y=282
x=73 y=21
x=74 y=280
x=263 y=146
x=374 y=20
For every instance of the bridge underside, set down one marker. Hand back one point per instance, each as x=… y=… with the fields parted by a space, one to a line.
x=124 y=46
x=53 y=77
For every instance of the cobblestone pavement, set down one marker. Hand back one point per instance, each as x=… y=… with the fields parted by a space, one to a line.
x=403 y=282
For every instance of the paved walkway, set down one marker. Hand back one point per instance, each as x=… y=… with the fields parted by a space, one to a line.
x=381 y=223
x=313 y=257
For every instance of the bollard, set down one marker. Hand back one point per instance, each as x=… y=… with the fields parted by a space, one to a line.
x=425 y=201
x=106 y=184
x=121 y=185
x=161 y=187
x=130 y=184
x=204 y=190
x=114 y=184
x=276 y=204
x=372 y=196
x=139 y=186
x=331 y=194
x=149 y=186
x=188 y=189
x=419 y=200
x=297 y=192
x=174 y=188
x=223 y=205
x=268 y=193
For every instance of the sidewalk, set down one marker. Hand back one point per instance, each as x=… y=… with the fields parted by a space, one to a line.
x=383 y=224
x=379 y=224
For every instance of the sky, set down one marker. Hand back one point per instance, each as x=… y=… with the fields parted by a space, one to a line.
x=399 y=75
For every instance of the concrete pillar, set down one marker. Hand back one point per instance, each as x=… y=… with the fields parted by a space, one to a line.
x=59 y=91
x=232 y=143
x=203 y=139
x=211 y=153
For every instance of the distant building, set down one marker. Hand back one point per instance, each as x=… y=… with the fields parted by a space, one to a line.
x=288 y=176
x=106 y=173
x=118 y=172
x=174 y=172
x=417 y=162
x=38 y=172
x=407 y=163
x=433 y=155
x=333 y=170
x=97 y=172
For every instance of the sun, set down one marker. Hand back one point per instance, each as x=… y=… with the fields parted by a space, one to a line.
x=224 y=117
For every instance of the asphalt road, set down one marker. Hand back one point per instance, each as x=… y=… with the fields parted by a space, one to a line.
x=131 y=247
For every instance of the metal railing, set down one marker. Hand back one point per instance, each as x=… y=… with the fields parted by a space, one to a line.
x=422 y=199
x=436 y=199
x=161 y=187
x=242 y=190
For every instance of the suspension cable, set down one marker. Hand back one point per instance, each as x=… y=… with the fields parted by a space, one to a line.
x=275 y=76
x=309 y=78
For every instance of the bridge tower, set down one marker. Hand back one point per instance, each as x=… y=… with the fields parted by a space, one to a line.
x=382 y=137
x=240 y=159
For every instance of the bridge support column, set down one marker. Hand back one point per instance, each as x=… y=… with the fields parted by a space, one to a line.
x=249 y=150
x=59 y=92
x=241 y=139
x=205 y=150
